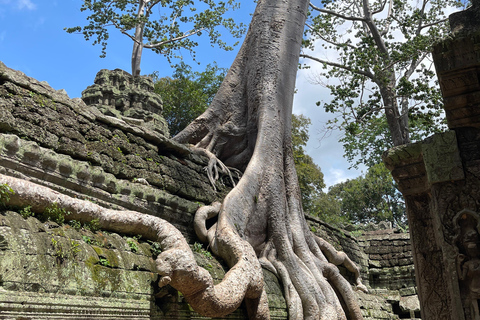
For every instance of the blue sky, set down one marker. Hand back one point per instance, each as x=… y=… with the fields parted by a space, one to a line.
x=33 y=41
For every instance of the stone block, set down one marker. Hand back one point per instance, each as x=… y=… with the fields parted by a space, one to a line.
x=442 y=158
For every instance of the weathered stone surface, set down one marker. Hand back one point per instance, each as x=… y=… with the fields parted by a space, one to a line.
x=467 y=20
x=457 y=61
x=390 y=276
x=441 y=158
x=58 y=272
x=117 y=93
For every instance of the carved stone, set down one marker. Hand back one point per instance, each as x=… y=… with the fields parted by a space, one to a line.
x=467 y=238
x=440 y=180
x=119 y=94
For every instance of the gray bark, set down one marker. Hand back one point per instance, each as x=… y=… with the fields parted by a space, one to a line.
x=138 y=40
x=248 y=126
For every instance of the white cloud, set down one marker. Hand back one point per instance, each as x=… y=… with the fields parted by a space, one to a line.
x=26 y=4
x=338 y=175
x=325 y=149
x=20 y=4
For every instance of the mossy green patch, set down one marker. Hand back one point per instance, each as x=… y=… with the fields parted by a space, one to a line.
x=402 y=154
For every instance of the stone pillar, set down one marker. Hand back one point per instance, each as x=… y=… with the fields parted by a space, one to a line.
x=440 y=180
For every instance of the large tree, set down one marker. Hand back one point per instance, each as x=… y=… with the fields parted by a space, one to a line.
x=162 y=26
x=187 y=94
x=376 y=57
x=261 y=221
x=248 y=127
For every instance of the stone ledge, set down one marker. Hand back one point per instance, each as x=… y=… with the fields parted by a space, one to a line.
x=80 y=179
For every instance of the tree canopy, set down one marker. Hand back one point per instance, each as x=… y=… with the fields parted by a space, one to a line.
x=187 y=94
x=372 y=197
x=377 y=65
x=310 y=176
x=165 y=27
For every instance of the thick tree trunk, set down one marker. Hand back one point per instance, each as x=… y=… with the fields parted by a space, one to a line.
x=397 y=119
x=248 y=126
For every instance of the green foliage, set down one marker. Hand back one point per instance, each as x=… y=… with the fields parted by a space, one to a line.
x=372 y=197
x=356 y=233
x=54 y=213
x=62 y=253
x=310 y=177
x=383 y=86
x=329 y=209
x=197 y=247
x=166 y=27
x=58 y=250
x=132 y=244
x=155 y=247
x=187 y=94
x=74 y=247
x=5 y=193
x=77 y=225
x=93 y=225
x=26 y=212
x=87 y=239
x=104 y=262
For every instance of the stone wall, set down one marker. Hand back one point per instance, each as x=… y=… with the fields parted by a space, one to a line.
x=115 y=156
x=385 y=257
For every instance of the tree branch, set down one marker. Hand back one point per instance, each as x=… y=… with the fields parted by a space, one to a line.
x=381 y=8
x=123 y=31
x=433 y=23
x=419 y=27
x=336 y=14
x=367 y=74
x=413 y=66
x=389 y=14
x=159 y=44
x=153 y=4
x=319 y=35
x=377 y=37
x=408 y=73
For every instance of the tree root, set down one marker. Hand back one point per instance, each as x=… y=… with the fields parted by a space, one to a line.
x=176 y=264
x=201 y=217
x=215 y=166
x=307 y=273
x=339 y=258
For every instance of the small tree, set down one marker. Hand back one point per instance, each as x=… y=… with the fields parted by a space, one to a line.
x=384 y=91
x=187 y=94
x=162 y=26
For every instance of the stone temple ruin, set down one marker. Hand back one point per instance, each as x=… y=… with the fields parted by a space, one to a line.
x=109 y=153
x=440 y=180
x=112 y=148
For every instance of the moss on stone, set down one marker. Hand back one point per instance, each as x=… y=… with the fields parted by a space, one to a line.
x=403 y=154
